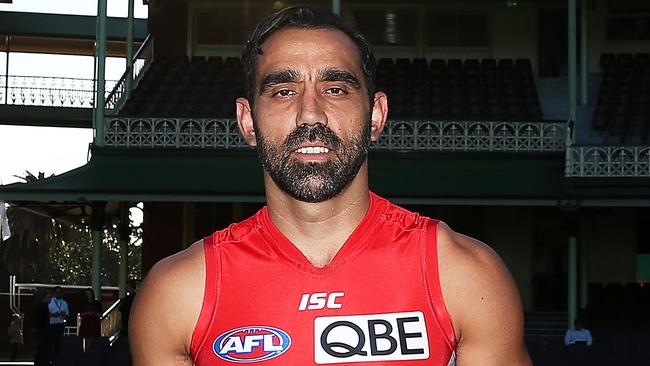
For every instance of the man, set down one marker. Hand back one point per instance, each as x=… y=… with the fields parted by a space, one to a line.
x=327 y=272
x=59 y=313
x=41 y=323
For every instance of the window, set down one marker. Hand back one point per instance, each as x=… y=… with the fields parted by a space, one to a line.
x=456 y=29
x=628 y=28
x=225 y=27
x=387 y=27
x=628 y=6
x=628 y=20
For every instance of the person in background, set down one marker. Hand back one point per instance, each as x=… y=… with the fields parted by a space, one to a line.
x=41 y=327
x=59 y=313
x=15 y=331
x=577 y=335
x=91 y=311
x=578 y=342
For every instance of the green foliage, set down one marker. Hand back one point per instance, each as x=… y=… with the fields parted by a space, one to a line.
x=43 y=250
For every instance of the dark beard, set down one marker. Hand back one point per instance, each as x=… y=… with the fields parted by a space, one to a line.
x=313 y=182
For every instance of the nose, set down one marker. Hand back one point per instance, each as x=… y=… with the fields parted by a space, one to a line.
x=311 y=111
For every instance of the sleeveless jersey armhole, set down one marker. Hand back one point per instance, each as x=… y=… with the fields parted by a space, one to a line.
x=430 y=268
x=210 y=297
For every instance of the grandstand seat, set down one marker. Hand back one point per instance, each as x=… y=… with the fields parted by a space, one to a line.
x=642 y=58
x=488 y=67
x=215 y=60
x=524 y=68
x=437 y=68
x=607 y=61
x=456 y=111
x=419 y=68
x=454 y=68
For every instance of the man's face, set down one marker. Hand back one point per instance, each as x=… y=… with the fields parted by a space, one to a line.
x=311 y=112
x=58 y=293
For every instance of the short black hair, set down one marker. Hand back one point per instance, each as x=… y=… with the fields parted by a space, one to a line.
x=57 y=288
x=304 y=17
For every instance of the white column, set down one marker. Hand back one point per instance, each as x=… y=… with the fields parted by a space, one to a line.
x=129 y=51
x=583 y=53
x=336 y=7
x=100 y=76
x=572 y=61
x=572 y=281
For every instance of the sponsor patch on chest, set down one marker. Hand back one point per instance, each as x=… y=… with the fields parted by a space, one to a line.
x=251 y=344
x=366 y=338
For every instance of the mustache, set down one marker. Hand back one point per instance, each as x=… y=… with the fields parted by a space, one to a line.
x=311 y=133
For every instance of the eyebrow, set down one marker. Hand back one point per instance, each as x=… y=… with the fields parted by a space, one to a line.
x=340 y=75
x=278 y=77
x=292 y=76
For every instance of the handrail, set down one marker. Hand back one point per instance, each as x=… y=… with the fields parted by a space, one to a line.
x=49 y=77
x=111 y=320
x=119 y=85
x=142 y=47
x=111 y=308
x=116 y=96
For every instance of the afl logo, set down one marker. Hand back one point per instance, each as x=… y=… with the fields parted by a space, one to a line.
x=251 y=344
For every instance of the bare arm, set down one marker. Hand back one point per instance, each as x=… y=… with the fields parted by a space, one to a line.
x=166 y=309
x=483 y=303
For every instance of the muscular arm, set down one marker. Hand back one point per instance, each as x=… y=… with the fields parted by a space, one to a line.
x=483 y=303
x=166 y=309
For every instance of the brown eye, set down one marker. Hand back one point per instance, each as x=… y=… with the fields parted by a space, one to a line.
x=335 y=91
x=284 y=93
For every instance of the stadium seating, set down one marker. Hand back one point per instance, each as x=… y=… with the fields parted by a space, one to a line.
x=622 y=107
x=470 y=89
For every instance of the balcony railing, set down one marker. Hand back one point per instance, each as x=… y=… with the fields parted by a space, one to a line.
x=608 y=161
x=533 y=137
x=47 y=91
x=141 y=62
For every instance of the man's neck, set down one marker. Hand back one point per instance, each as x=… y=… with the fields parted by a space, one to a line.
x=320 y=229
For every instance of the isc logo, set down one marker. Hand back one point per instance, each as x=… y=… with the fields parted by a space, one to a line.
x=365 y=338
x=320 y=300
x=251 y=344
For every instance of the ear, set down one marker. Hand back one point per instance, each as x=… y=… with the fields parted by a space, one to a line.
x=245 y=121
x=379 y=115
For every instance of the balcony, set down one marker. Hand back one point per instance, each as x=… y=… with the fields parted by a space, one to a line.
x=399 y=135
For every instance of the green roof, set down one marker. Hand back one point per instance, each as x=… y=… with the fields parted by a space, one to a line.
x=236 y=176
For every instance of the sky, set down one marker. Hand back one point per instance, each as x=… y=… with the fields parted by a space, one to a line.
x=49 y=149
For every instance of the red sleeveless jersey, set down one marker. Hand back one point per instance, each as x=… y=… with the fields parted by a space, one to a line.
x=378 y=302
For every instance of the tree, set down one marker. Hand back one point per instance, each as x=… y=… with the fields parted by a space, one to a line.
x=43 y=250
x=25 y=252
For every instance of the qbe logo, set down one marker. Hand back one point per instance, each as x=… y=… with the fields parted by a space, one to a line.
x=365 y=338
x=251 y=344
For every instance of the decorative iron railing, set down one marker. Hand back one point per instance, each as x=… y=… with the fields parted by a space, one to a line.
x=48 y=91
x=141 y=62
x=608 y=161
x=398 y=135
x=473 y=136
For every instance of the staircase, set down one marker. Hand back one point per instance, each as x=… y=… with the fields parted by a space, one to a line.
x=549 y=326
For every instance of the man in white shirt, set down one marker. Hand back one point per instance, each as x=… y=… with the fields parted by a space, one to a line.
x=59 y=312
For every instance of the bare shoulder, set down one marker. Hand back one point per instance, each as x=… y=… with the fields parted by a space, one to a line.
x=167 y=307
x=482 y=300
